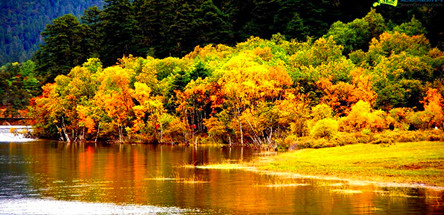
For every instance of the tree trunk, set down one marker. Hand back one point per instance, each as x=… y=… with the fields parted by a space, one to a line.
x=240 y=127
x=161 y=132
x=98 y=130
x=64 y=130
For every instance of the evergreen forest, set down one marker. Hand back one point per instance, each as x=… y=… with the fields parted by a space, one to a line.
x=21 y=23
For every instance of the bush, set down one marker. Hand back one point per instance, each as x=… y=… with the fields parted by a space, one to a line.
x=382 y=141
x=305 y=143
x=316 y=143
x=344 y=138
x=362 y=116
x=366 y=131
x=321 y=111
x=290 y=139
x=322 y=143
x=324 y=128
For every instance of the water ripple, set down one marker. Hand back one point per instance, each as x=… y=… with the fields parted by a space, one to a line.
x=46 y=206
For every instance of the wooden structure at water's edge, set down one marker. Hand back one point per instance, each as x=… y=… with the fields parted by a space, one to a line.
x=14 y=120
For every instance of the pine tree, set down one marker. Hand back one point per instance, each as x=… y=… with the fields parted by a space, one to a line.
x=62 y=49
x=93 y=35
x=120 y=31
x=154 y=18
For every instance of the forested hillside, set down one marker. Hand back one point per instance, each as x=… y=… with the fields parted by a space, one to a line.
x=174 y=27
x=260 y=92
x=22 y=21
x=195 y=68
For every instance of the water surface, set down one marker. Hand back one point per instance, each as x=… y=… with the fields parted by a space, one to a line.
x=145 y=179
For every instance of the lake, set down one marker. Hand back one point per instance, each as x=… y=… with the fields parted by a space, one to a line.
x=47 y=177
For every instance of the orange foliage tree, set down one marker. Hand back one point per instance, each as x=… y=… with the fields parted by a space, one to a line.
x=434 y=104
x=114 y=98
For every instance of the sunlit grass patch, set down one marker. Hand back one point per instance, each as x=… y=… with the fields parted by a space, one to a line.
x=394 y=193
x=160 y=179
x=347 y=191
x=334 y=184
x=282 y=185
x=266 y=153
x=416 y=163
x=220 y=166
x=191 y=180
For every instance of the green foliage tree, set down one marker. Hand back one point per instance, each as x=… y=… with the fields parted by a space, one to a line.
x=414 y=27
x=358 y=33
x=18 y=84
x=404 y=66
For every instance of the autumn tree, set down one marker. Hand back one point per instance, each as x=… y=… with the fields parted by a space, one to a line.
x=45 y=112
x=151 y=118
x=249 y=84
x=66 y=103
x=294 y=112
x=342 y=95
x=434 y=104
x=362 y=116
x=114 y=98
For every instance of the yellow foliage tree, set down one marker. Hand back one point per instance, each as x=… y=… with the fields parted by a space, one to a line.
x=362 y=117
x=114 y=97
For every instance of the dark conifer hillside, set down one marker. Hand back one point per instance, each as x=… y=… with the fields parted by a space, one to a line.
x=21 y=23
x=175 y=27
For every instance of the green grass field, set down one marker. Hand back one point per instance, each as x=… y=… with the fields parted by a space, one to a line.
x=418 y=162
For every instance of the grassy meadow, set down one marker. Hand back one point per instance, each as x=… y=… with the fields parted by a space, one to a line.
x=413 y=162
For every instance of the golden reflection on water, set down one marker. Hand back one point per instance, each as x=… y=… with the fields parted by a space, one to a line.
x=155 y=175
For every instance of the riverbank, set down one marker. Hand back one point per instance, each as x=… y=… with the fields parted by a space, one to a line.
x=419 y=163
x=411 y=164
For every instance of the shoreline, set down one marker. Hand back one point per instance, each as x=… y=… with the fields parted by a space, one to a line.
x=411 y=165
x=350 y=181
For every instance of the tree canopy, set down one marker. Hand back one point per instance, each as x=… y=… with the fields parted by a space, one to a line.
x=259 y=92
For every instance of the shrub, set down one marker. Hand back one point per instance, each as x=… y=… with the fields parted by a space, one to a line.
x=321 y=111
x=366 y=131
x=362 y=116
x=290 y=139
x=382 y=141
x=344 y=138
x=399 y=117
x=324 y=128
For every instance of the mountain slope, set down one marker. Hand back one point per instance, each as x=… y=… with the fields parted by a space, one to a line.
x=21 y=23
